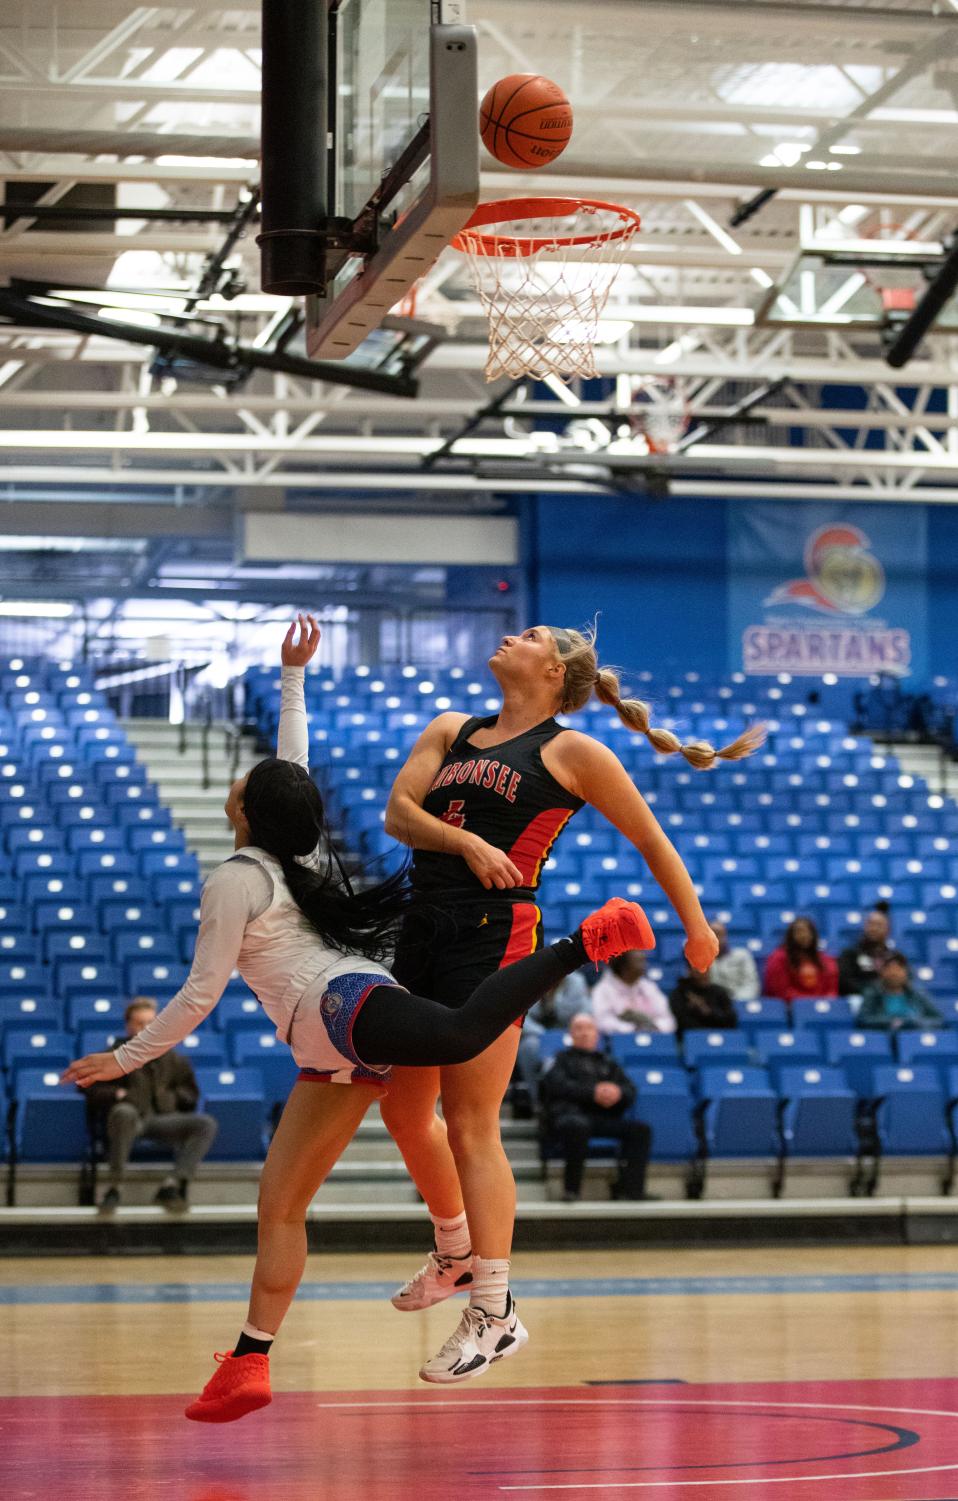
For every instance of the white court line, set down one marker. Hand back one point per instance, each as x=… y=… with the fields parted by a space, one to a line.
x=636 y=1485
x=677 y=1401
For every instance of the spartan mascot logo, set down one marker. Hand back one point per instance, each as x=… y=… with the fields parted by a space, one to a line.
x=843 y=577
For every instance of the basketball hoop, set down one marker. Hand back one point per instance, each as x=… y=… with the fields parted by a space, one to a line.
x=543 y=269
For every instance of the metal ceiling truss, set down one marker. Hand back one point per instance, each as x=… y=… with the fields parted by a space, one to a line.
x=750 y=323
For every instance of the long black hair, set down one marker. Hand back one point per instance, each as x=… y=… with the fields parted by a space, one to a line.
x=286 y=817
x=797 y=955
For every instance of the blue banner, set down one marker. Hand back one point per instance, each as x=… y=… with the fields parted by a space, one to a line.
x=816 y=589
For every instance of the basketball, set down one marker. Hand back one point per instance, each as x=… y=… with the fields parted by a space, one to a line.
x=526 y=120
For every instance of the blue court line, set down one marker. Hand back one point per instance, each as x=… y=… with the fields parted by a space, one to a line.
x=529 y=1287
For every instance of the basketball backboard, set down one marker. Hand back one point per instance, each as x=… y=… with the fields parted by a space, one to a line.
x=404 y=154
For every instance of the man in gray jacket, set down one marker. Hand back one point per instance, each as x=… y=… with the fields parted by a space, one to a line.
x=156 y=1102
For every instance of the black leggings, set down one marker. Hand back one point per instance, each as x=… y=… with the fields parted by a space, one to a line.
x=395 y=1026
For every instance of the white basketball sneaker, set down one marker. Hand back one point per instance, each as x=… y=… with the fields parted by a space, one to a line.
x=438 y=1279
x=480 y=1340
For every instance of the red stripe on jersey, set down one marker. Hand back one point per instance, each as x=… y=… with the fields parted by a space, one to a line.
x=532 y=847
x=524 y=934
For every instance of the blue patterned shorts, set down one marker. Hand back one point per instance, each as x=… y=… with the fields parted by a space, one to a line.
x=338 y=1009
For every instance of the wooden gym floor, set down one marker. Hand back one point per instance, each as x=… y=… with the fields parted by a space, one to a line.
x=798 y=1375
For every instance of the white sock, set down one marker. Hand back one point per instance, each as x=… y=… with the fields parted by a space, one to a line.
x=452 y=1235
x=490 y=1286
x=251 y=1332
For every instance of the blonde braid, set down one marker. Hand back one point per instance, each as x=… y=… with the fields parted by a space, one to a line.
x=584 y=676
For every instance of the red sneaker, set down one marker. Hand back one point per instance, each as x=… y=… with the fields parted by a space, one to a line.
x=239 y=1386
x=617 y=926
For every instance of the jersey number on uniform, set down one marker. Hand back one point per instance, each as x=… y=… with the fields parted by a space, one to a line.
x=454 y=813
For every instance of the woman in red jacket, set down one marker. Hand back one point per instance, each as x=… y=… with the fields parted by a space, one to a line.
x=799 y=968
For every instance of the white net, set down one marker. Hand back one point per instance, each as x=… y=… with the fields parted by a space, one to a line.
x=544 y=296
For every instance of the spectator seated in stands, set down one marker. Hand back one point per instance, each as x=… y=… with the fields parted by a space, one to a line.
x=625 y=1000
x=800 y=968
x=156 y=1103
x=893 y=1003
x=552 y=1013
x=696 y=1003
x=585 y=1094
x=734 y=969
x=859 y=965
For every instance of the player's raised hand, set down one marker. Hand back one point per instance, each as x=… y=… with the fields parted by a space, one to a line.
x=298 y=653
x=91 y=1069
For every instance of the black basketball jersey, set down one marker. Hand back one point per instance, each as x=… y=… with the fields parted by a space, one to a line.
x=505 y=795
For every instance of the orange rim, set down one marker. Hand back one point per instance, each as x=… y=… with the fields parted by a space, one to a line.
x=509 y=210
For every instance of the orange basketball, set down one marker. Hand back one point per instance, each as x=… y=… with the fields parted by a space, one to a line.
x=526 y=120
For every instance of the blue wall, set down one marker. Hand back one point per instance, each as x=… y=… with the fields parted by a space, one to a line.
x=658 y=571
x=943 y=589
x=655 y=569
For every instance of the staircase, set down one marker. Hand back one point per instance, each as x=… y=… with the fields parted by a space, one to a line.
x=173 y=757
x=927 y=762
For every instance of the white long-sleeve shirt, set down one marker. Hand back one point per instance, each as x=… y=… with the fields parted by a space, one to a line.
x=612 y=996
x=249 y=922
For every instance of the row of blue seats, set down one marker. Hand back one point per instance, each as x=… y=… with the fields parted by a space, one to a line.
x=812 y=1111
x=90 y=890
x=859 y=1052
x=832 y=701
x=243 y=1038
x=165 y=857
x=108 y=917
x=48 y=1121
x=41 y=1012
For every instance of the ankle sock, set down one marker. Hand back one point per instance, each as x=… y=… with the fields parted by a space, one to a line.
x=253 y=1341
x=452 y=1235
x=490 y=1286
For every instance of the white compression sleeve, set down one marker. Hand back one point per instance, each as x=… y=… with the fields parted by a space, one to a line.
x=293 y=737
x=225 y=909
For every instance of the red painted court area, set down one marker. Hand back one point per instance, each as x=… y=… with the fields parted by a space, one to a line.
x=844 y=1441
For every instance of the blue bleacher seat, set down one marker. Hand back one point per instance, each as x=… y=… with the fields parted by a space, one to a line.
x=234 y=1097
x=741 y=1113
x=17 y=944
x=36 y=1048
x=154 y=862
x=819 y=1116
x=50 y=1120
x=859 y=1053
x=910 y=1118
x=823 y=1012
x=123 y=914
x=278 y=1069
x=83 y=838
x=98 y=1036
x=779 y=1050
x=937 y=1049
x=87 y=945
x=640 y=1049
x=765 y=1011
x=93 y=862
x=19 y=978
x=204 y=1047
x=552 y=1042
x=664 y=1102
x=142 y=943
x=702 y=1048
x=106 y=1010
x=107 y=887
x=30 y=1012
x=155 y=977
